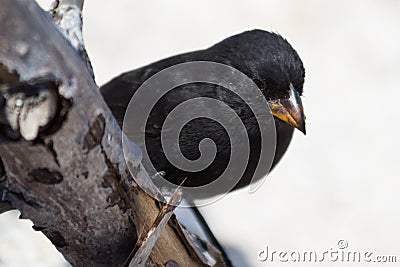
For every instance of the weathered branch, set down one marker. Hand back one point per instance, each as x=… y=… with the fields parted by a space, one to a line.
x=146 y=242
x=71 y=178
x=67 y=14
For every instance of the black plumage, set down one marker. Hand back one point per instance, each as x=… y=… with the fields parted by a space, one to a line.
x=267 y=58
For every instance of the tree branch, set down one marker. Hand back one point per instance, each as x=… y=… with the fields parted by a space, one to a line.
x=68 y=174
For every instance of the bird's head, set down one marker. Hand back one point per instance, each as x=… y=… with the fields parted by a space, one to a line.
x=274 y=66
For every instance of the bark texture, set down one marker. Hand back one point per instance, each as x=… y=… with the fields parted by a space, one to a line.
x=62 y=162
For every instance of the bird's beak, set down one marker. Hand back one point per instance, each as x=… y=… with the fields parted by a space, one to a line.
x=290 y=110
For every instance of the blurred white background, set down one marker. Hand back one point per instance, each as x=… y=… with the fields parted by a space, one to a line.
x=341 y=181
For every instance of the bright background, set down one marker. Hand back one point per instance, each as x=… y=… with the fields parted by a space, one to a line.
x=341 y=181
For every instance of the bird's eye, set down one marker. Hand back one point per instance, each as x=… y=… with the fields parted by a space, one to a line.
x=259 y=83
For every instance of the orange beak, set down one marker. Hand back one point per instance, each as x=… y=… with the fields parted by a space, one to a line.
x=289 y=110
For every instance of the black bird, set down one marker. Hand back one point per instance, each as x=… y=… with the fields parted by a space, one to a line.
x=265 y=57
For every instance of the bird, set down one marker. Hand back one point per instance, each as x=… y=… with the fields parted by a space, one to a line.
x=266 y=58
